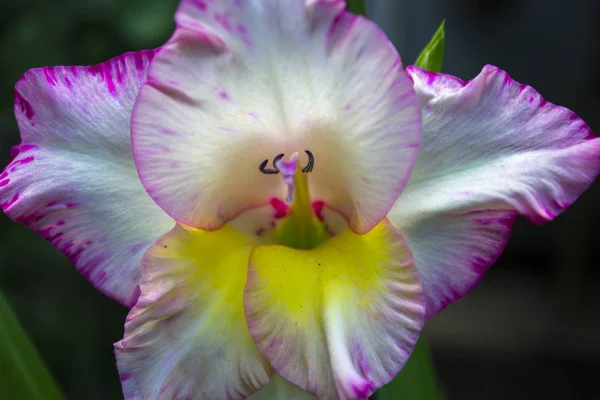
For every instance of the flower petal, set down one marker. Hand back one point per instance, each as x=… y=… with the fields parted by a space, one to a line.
x=280 y=389
x=187 y=334
x=73 y=179
x=491 y=148
x=452 y=252
x=243 y=81
x=343 y=316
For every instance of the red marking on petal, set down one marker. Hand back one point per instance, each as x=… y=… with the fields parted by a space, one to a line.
x=281 y=208
x=317 y=207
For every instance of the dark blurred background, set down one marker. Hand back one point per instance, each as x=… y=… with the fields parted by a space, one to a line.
x=529 y=330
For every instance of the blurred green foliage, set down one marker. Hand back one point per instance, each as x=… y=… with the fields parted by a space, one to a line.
x=22 y=373
x=358 y=7
x=417 y=379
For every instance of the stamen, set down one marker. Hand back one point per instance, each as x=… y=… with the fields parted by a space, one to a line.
x=311 y=162
x=268 y=171
x=276 y=159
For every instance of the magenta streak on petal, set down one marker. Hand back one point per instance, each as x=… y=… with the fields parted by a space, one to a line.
x=243 y=31
x=107 y=72
x=200 y=4
x=168 y=132
x=223 y=94
x=50 y=75
x=6 y=205
x=24 y=104
x=25 y=160
x=223 y=20
x=4 y=182
x=362 y=389
x=361 y=359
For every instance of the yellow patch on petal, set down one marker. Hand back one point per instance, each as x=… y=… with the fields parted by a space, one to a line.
x=347 y=263
x=187 y=335
x=340 y=319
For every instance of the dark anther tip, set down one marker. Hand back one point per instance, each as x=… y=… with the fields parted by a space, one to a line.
x=311 y=162
x=268 y=171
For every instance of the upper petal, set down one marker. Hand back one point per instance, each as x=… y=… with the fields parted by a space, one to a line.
x=243 y=81
x=186 y=338
x=339 y=320
x=491 y=148
x=73 y=180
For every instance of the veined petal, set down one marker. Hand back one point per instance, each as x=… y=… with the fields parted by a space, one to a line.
x=491 y=148
x=339 y=320
x=280 y=389
x=73 y=180
x=241 y=82
x=452 y=252
x=187 y=336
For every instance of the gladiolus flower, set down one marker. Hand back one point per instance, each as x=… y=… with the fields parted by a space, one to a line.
x=275 y=196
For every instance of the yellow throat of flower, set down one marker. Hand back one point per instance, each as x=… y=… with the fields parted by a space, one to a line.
x=300 y=229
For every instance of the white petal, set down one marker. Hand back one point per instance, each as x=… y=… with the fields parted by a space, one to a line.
x=490 y=146
x=73 y=179
x=241 y=82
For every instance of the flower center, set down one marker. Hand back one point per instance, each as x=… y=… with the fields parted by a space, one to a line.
x=300 y=229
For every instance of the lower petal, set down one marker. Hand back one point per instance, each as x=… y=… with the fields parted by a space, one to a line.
x=339 y=320
x=187 y=336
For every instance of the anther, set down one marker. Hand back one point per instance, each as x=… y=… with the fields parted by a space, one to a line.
x=311 y=162
x=268 y=171
x=273 y=171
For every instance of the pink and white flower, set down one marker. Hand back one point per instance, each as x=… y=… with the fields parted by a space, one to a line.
x=275 y=196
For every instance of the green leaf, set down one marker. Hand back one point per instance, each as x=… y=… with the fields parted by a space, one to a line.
x=358 y=7
x=22 y=372
x=432 y=56
x=417 y=379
